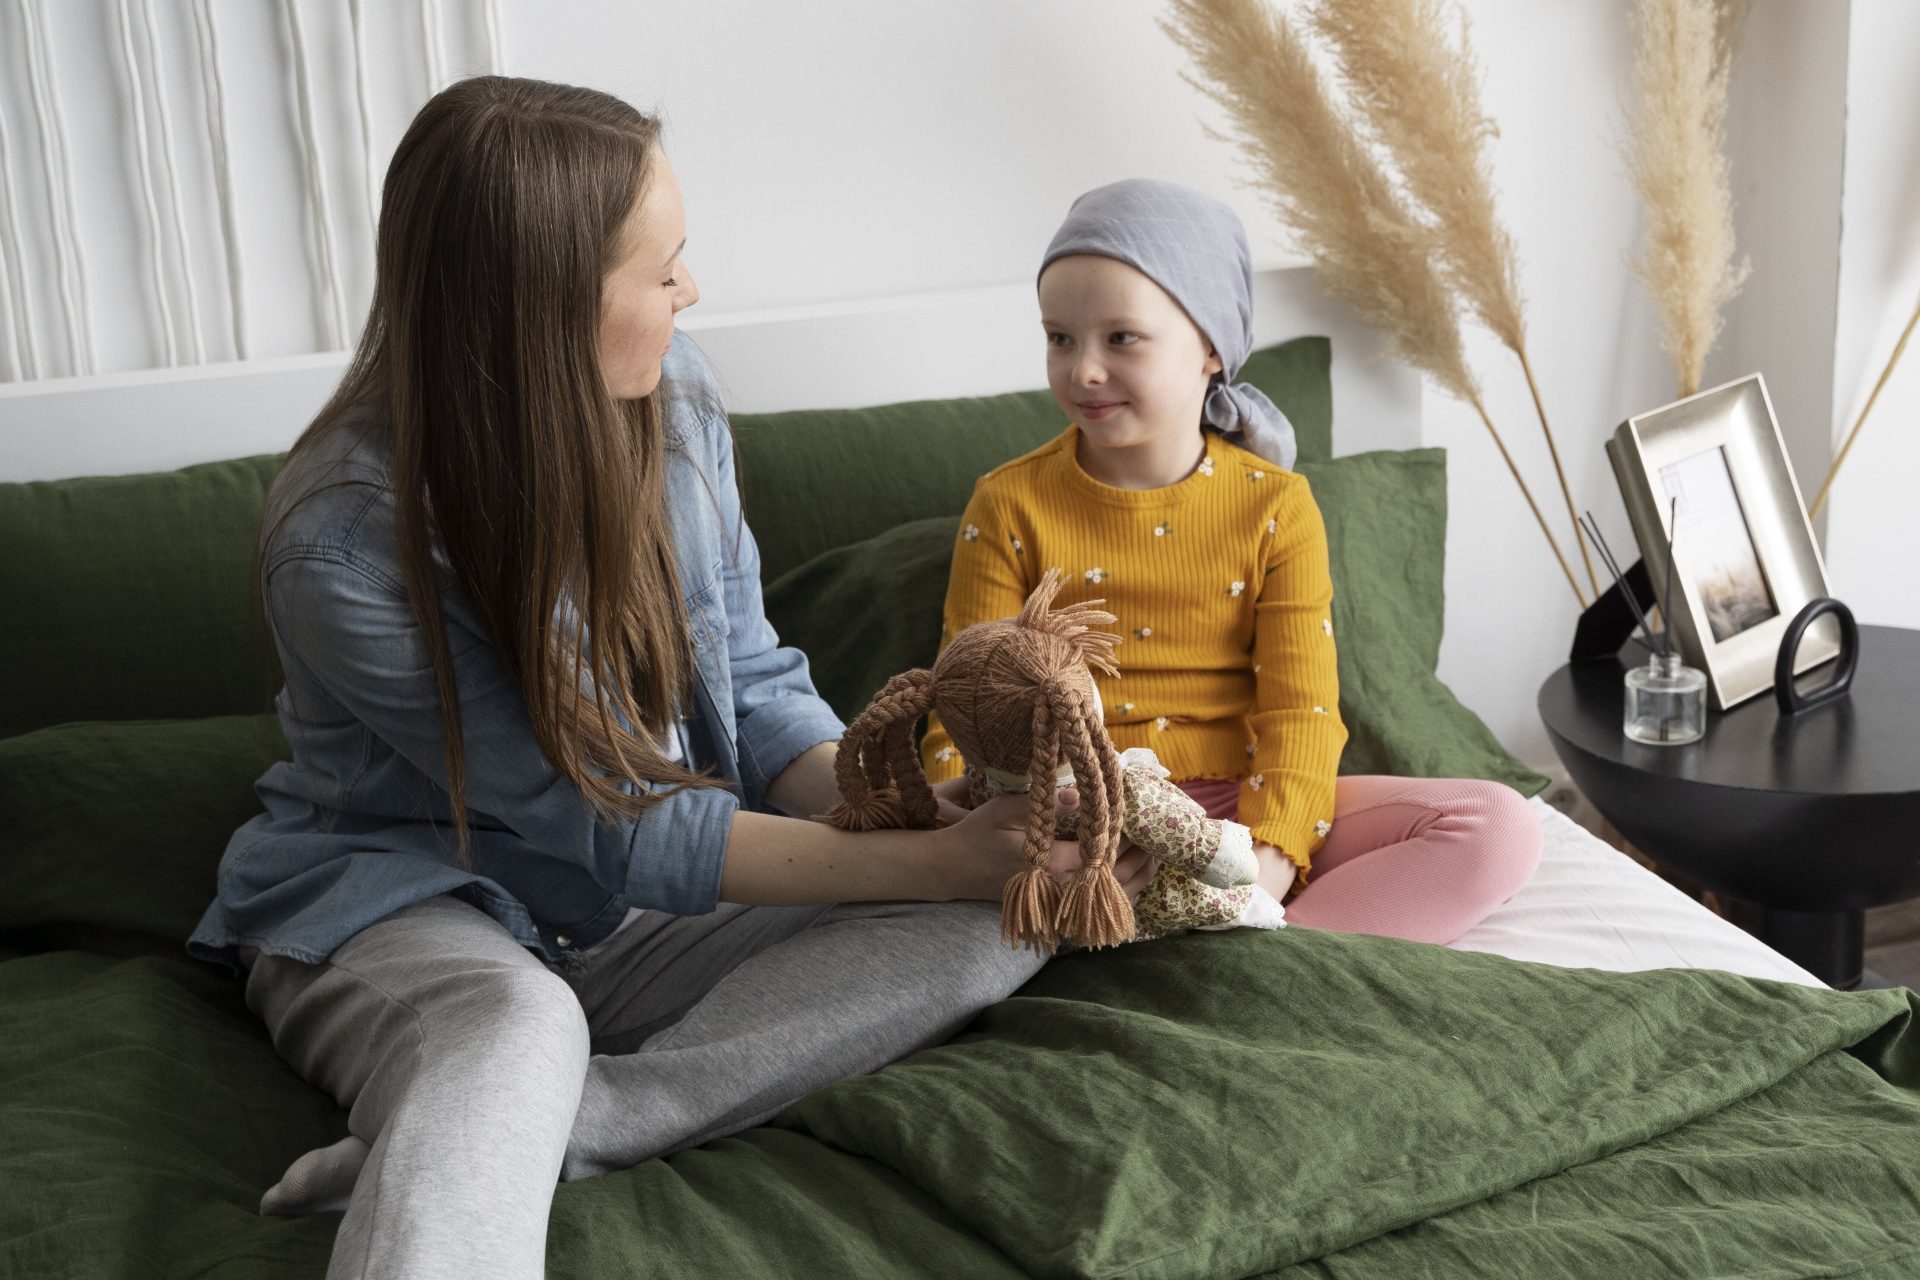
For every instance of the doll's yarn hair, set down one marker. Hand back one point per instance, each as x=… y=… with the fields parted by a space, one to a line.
x=1017 y=695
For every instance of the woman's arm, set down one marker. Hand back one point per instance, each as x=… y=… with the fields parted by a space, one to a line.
x=776 y=861
x=345 y=623
x=807 y=788
x=778 y=715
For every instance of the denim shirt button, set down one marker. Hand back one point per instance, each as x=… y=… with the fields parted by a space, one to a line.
x=562 y=940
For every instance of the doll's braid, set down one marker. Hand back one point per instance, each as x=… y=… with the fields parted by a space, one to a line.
x=875 y=791
x=1094 y=910
x=899 y=749
x=1030 y=901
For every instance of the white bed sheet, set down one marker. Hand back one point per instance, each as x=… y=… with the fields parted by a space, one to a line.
x=1591 y=906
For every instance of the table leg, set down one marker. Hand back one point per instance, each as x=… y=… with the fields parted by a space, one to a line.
x=1829 y=944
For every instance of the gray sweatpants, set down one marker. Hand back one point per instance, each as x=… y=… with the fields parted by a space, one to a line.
x=480 y=1074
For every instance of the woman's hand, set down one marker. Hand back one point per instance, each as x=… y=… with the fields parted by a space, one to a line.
x=955 y=802
x=988 y=847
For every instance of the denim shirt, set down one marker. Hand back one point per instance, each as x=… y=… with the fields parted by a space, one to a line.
x=358 y=823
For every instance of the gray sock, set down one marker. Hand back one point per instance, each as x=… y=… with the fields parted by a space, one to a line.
x=320 y=1181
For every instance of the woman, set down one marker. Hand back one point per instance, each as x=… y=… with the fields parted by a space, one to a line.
x=516 y=901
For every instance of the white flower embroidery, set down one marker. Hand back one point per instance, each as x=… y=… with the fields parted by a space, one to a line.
x=943 y=755
x=1322 y=828
x=1234 y=589
x=1272 y=525
x=1018 y=548
x=1206 y=465
x=1159 y=724
x=1123 y=708
x=1256 y=668
x=971 y=533
x=1141 y=633
x=1257 y=781
x=1319 y=711
x=1162 y=530
x=1256 y=475
x=1326 y=625
x=1095 y=575
x=1249 y=748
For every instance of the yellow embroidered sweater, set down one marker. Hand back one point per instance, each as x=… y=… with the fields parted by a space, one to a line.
x=1221 y=586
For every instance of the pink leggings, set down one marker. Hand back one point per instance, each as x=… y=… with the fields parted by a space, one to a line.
x=1418 y=858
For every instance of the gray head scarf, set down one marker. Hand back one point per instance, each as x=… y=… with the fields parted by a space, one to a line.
x=1194 y=247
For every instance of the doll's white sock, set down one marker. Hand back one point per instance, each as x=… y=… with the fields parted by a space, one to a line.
x=1263 y=911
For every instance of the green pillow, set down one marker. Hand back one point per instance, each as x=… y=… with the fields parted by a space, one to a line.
x=816 y=479
x=865 y=612
x=131 y=597
x=119 y=826
x=1386 y=518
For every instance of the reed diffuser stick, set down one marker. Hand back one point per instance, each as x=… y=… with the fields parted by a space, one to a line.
x=1666 y=597
x=1620 y=579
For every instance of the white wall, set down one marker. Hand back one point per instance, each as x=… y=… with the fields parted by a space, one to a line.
x=865 y=150
x=1873 y=532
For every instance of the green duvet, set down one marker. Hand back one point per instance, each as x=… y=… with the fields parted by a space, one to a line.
x=1292 y=1103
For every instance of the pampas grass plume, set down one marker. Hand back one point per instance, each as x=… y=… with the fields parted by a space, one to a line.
x=1321 y=178
x=1678 y=165
x=1419 y=96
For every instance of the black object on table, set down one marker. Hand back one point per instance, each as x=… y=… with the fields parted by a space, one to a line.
x=1805 y=819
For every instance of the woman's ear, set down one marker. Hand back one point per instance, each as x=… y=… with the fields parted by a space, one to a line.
x=1214 y=364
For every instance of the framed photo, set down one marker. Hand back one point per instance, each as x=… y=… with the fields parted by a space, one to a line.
x=1745 y=562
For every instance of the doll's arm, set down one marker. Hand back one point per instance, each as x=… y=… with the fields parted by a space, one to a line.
x=1171 y=826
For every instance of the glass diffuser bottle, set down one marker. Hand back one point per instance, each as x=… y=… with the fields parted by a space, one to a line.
x=1666 y=702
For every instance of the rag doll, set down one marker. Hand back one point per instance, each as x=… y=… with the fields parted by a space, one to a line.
x=1019 y=698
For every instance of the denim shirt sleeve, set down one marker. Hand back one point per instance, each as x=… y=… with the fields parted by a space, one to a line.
x=347 y=622
x=777 y=713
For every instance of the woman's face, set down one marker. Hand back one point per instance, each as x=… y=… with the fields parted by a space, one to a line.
x=646 y=288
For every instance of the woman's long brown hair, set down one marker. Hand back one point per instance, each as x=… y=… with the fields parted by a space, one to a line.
x=501 y=214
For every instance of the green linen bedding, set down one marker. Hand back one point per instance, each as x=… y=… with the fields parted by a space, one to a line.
x=1293 y=1103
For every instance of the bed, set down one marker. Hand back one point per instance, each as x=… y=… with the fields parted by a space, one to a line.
x=1602 y=1079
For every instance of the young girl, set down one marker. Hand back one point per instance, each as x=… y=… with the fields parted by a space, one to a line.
x=518 y=900
x=1169 y=496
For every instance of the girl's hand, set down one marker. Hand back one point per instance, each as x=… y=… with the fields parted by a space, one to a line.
x=988 y=847
x=954 y=800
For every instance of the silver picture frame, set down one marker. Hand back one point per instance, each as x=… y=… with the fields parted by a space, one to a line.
x=1745 y=557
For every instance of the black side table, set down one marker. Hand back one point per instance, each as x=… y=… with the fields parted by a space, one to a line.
x=1808 y=819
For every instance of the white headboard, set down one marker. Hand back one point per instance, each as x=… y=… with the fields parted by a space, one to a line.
x=823 y=355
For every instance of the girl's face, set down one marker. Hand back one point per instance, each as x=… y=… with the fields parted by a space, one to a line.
x=1123 y=359
x=646 y=288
